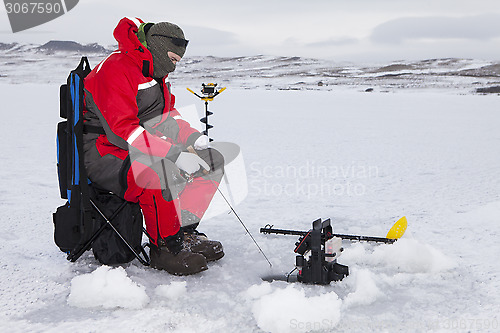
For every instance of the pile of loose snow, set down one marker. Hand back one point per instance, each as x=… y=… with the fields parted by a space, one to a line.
x=108 y=288
x=405 y=256
x=365 y=289
x=289 y=309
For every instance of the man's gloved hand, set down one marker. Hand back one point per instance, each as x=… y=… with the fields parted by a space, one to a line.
x=190 y=163
x=201 y=143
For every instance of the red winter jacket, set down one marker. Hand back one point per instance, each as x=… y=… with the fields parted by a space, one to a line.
x=132 y=107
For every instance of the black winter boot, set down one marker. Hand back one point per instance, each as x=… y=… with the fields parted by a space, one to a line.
x=171 y=256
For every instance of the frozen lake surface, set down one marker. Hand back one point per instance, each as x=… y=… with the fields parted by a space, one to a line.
x=361 y=159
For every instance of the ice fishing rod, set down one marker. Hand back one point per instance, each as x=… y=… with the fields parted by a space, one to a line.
x=192 y=150
x=210 y=91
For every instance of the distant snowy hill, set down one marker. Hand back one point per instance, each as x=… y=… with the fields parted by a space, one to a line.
x=262 y=71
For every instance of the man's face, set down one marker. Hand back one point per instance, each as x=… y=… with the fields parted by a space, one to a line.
x=175 y=58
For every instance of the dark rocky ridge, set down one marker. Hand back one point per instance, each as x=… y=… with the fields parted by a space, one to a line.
x=71 y=46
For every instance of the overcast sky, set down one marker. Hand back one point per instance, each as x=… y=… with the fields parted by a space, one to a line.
x=344 y=30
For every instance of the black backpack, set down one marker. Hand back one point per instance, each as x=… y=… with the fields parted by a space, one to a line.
x=91 y=217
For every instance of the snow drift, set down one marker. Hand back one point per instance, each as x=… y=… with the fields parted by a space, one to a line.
x=108 y=288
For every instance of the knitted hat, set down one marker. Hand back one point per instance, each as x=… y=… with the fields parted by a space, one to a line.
x=161 y=38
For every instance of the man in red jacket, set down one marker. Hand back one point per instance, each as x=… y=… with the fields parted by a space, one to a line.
x=142 y=150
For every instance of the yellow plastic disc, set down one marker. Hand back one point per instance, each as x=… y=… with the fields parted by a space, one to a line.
x=398 y=229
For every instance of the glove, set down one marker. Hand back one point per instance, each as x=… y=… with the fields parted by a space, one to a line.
x=201 y=143
x=190 y=163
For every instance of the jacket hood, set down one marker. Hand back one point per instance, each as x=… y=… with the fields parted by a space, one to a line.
x=125 y=34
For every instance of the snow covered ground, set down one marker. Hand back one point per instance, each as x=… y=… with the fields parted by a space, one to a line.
x=361 y=159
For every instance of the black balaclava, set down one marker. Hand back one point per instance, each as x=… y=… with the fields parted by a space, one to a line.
x=161 y=38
